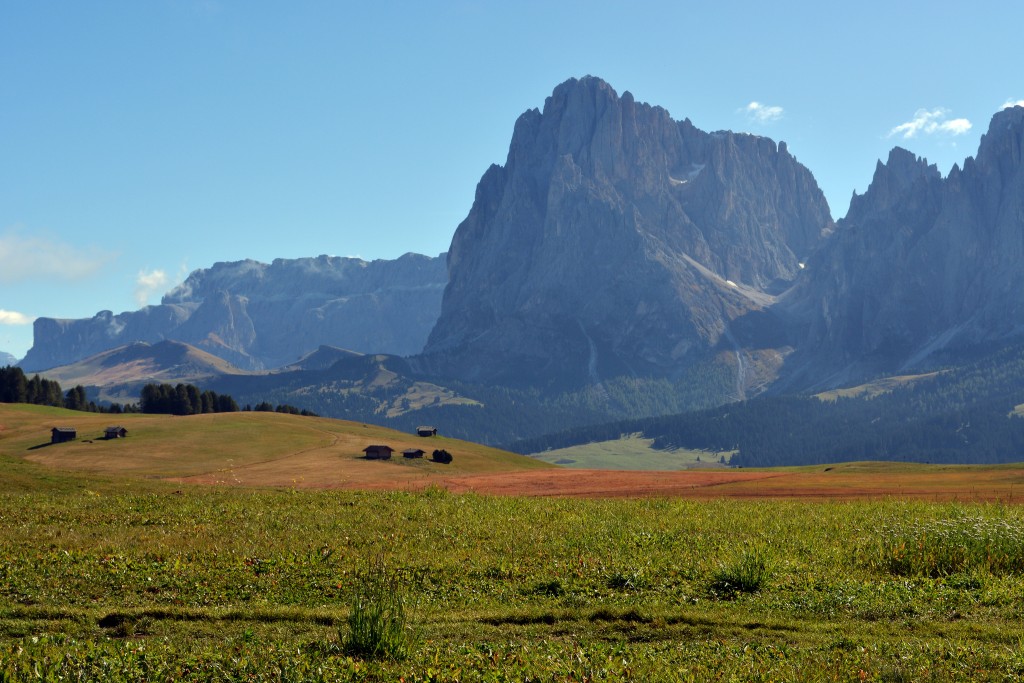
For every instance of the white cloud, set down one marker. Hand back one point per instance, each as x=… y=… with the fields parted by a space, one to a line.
x=14 y=318
x=930 y=122
x=146 y=284
x=1012 y=103
x=762 y=113
x=43 y=257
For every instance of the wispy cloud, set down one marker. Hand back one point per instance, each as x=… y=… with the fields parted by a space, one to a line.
x=762 y=113
x=41 y=257
x=14 y=318
x=147 y=284
x=1013 y=103
x=931 y=122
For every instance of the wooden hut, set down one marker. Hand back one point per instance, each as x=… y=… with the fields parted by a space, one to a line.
x=414 y=452
x=115 y=433
x=378 y=452
x=62 y=434
x=426 y=431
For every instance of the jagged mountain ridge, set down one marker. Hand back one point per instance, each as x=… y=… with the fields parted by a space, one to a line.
x=920 y=264
x=616 y=240
x=260 y=316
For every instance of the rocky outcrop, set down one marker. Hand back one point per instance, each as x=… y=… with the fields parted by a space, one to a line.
x=259 y=315
x=920 y=263
x=616 y=240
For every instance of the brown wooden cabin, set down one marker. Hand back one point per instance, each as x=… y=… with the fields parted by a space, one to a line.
x=414 y=452
x=378 y=452
x=426 y=431
x=115 y=433
x=62 y=434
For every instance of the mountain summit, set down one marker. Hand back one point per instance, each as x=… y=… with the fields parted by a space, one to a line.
x=616 y=240
x=921 y=263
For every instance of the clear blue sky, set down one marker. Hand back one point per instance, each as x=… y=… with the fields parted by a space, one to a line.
x=142 y=140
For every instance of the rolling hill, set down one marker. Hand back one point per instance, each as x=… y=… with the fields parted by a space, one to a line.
x=119 y=374
x=241 y=449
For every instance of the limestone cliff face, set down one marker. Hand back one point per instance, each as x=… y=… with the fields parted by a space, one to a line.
x=921 y=262
x=259 y=315
x=616 y=240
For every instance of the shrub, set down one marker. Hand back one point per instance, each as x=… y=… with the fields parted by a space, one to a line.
x=379 y=621
x=748 y=573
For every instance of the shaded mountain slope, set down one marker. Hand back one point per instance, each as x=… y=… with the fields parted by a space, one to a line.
x=617 y=241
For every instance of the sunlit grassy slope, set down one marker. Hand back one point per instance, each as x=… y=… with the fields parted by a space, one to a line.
x=876 y=387
x=631 y=452
x=251 y=448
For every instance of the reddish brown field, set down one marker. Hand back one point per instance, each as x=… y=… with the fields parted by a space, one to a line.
x=837 y=482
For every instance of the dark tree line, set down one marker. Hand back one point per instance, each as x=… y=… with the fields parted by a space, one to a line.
x=267 y=407
x=15 y=387
x=184 y=399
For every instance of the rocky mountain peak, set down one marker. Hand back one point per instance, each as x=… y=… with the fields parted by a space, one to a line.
x=921 y=263
x=891 y=182
x=616 y=240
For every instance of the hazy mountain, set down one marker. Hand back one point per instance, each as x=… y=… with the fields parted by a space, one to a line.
x=259 y=315
x=616 y=240
x=920 y=264
x=7 y=359
x=119 y=374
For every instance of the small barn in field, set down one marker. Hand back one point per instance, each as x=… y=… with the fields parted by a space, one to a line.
x=115 y=433
x=378 y=452
x=62 y=434
x=414 y=452
x=426 y=431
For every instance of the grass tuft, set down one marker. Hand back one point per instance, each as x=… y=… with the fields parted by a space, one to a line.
x=379 y=622
x=747 y=573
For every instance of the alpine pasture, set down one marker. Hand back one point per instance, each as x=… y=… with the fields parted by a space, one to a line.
x=250 y=547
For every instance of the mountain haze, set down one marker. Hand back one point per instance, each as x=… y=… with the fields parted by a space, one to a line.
x=260 y=316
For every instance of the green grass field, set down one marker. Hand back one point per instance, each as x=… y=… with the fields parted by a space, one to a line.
x=115 y=578
x=631 y=452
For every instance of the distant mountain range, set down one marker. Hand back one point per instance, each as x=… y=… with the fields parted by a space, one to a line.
x=262 y=316
x=7 y=359
x=619 y=264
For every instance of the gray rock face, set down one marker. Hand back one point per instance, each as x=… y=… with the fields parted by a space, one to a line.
x=616 y=240
x=261 y=316
x=921 y=263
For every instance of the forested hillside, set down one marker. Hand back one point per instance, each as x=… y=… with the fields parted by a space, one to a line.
x=958 y=416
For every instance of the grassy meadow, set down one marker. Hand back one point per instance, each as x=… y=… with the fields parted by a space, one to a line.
x=128 y=577
x=630 y=452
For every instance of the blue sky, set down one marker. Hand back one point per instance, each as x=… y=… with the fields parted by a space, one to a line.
x=142 y=140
